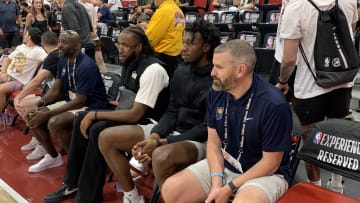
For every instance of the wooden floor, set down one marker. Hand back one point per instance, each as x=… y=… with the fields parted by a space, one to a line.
x=33 y=187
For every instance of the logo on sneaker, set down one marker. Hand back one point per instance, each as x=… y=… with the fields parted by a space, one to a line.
x=69 y=192
x=249 y=119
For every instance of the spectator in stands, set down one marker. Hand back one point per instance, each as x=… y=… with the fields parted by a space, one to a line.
x=165 y=30
x=144 y=90
x=103 y=13
x=182 y=121
x=92 y=13
x=245 y=4
x=145 y=5
x=138 y=16
x=79 y=79
x=93 y=16
x=240 y=105
x=9 y=30
x=312 y=102
x=21 y=65
x=222 y=4
x=37 y=16
x=75 y=17
x=24 y=10
x=114 y=5
x=25 y=102
x=186 y=3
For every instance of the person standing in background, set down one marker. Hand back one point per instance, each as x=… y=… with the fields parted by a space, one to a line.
x=10 y=20
x=312 y=102
x=165 y=31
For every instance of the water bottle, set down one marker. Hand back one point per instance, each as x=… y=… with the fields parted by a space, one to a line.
x=7 y=117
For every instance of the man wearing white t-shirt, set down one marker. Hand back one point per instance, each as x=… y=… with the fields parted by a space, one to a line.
x=20 y=66
x=147 y=79
x=313 y=103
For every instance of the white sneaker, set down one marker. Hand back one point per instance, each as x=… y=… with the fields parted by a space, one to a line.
x=46 y=163
x=39 y=152
x=335 y=189
x=31 y=145
x=139 y=166
x=140 y=199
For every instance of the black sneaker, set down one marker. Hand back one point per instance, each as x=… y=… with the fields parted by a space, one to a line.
x=60 y=194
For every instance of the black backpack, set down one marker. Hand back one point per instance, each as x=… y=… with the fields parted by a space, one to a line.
x=336 y=59
x=112 y=82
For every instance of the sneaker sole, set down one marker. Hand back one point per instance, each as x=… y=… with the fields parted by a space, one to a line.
x=60 y=199
x=53 y=166
x=26 y=149
x=33 y=159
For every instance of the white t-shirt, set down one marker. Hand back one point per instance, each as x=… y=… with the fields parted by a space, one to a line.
x=153 y=80
x=279 y=45
x=300 y=22
x=25 y=61
x=115 y=5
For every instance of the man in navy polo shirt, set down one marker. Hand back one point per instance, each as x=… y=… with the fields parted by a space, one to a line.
x=249 y=137
x=9 y=30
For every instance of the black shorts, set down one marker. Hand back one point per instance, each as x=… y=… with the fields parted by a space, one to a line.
x=10 y=39
x=334 y=104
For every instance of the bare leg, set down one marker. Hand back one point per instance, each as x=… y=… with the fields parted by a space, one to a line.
x=182 y=187
x=313 y=172
x=60 y=126
x=113 y=142
x=42 y=135
x=4 y=91
x=171 y=158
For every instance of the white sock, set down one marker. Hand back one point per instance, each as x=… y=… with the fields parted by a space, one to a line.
x=133 y=195
x=336 y=180
x=317 y=183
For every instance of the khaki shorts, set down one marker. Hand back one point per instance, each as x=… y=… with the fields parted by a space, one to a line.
x=274 y=186
x=201 y=147
x=61 y=103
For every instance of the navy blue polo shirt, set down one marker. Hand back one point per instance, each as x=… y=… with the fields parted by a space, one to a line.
x=267 y=128
x=8 y=16
x=84 y=78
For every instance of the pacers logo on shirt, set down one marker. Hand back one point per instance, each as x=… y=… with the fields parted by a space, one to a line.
x=219 y=113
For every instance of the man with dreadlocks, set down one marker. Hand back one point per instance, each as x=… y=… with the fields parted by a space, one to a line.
x=148 y=79
x=178 y=139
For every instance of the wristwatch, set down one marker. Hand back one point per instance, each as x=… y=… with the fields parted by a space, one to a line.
x=233 y=188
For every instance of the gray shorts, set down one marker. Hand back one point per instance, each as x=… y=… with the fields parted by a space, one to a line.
x=274 y=186
x=201 y=147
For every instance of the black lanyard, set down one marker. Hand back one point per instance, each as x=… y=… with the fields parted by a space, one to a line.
x=247 y=108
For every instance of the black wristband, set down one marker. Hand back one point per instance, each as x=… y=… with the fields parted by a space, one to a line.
x=233 y=188
x=41 y=102
x=282 y=82
x=158 y=143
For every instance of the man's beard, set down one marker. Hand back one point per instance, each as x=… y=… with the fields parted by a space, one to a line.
x=129 y=59
x=224 y=85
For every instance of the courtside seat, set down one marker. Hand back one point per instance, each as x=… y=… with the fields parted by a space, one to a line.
x=309 y=193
